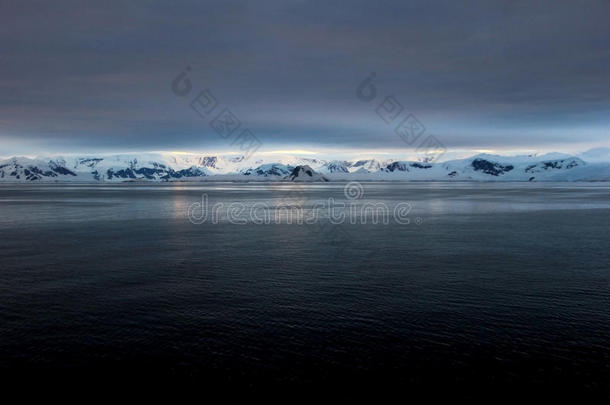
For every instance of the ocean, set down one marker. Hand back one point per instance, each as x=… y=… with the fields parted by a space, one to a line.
x=502 y=286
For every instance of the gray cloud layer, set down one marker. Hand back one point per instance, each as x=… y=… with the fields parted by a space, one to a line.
x=478 y=74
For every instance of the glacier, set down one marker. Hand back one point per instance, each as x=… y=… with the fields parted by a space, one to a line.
x=171 y=167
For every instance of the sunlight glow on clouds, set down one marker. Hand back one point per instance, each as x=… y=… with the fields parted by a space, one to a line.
x=483 y=76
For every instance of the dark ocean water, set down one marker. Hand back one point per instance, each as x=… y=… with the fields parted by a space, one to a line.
x=490 y=286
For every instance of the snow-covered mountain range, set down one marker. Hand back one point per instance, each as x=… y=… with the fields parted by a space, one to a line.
x=197 y=167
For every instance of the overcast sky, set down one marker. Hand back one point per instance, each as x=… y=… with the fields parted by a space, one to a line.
x=479 y=75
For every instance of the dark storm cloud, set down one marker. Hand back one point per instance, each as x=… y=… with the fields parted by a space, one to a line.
x=82 y=76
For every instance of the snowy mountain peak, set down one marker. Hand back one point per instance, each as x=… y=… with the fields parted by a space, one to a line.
x=305 y=173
